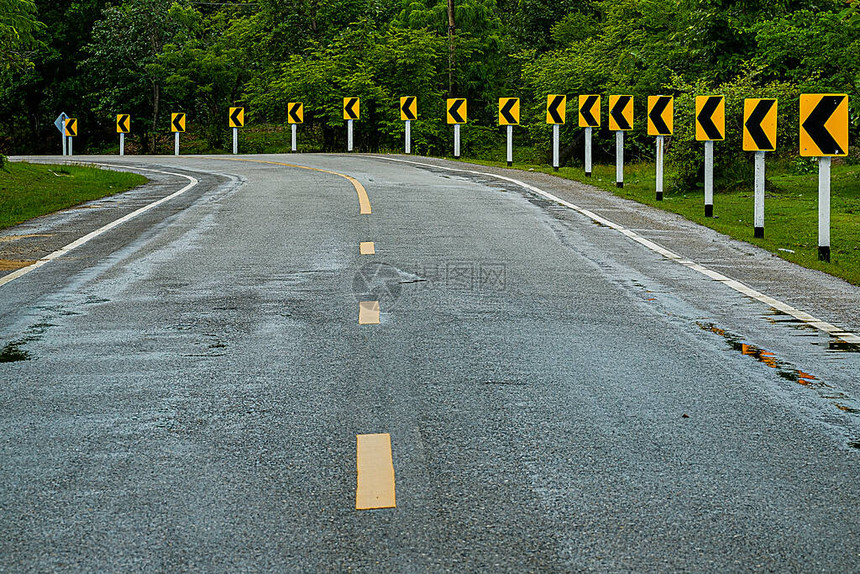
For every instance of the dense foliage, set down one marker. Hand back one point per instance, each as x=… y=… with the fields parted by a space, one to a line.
x=96 y=58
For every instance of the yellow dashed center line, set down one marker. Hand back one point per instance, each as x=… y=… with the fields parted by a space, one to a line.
x=375 y=485
x=367 y=248
x=363 y=200
x=368 y=313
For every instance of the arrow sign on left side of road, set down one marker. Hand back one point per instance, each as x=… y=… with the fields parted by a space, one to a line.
x=457 y=111
x=710 y=118
x=620 y=113
x=123 y=123
x=759 y=124
x=823 y=125
x=71 y=127
x=177 y=122
x=660 y=115
x=237 y=117
x=408 y=108
x=509 y=111
x=295 y=113
x=351 y=108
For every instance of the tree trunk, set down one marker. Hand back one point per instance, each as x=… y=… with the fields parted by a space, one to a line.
x=156 y=98
x=451 y=28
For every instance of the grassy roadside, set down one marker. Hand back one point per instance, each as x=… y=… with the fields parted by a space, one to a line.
x=791 y=210
x=30 y=190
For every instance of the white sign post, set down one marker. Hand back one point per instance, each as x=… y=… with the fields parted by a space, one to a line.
x=659 y=168
x=587 y=152
x=408 y=136
x=619 y=159
x=294 y=148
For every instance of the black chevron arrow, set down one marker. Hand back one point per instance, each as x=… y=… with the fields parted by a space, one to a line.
x=506 y=111
x=72 y=127
x=753 y=125
x=587 y=111
x=294 y=113
x=454 y=110
x=348 y=108
x=706 y=121
x=656 y=115
x=617 y=112
x=814 y=125
x=406 y=108
x=123 y=122
x=552 y=109
x=177 y=122
x=234 y=117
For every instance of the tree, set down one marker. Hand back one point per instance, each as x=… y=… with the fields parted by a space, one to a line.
x=122 y=67
x=18 y=32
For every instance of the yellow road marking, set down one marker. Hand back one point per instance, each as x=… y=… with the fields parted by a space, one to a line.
x=375 y=485
x=368 y=313
x=363 y=200
x=367 y=248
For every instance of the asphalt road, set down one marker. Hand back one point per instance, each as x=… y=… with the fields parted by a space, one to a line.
x=184 y=392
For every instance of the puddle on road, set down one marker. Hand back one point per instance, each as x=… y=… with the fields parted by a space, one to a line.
x=12 y=353
x=804 y=329
x=786 y=370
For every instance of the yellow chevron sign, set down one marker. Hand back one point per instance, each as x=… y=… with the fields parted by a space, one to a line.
x=351 y=108
x=823 y=125
x=509 y=111
x=123 y=123
x=177 y=123
x=236 y=118
x=71 y=127
x=457 y=111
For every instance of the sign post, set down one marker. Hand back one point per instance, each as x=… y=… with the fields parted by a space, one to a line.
x=177 y=126
x=408 y=113
x=457 y=115
x=620 y=121
x=823 y=134
x=760 y=137
x=509 y=115
x=589 y=118
x=351 y=112
x=295 y=116
x=710 y=127
x=236 y=120
x=60 y=124
x=556 y=109
x=660 y=124
x=71 y=131
x=123 y=126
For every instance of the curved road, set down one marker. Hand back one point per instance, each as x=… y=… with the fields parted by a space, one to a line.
x=505 y=381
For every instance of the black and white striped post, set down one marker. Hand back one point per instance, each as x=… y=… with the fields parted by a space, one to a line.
x=824 y=134
x=556 y=110
x=660 y=124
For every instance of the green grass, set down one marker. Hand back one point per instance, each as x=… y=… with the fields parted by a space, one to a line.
x=30 y=190
x=791 y=210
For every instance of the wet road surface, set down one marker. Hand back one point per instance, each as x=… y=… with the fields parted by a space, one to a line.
x=220 y=383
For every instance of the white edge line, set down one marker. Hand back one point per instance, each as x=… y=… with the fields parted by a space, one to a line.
x=831 y=330
x=105 y=228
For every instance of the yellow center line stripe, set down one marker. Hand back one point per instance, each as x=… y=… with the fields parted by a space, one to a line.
x=363 y=200
x=375 y=485
x=368 y=313
x=367 y=248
